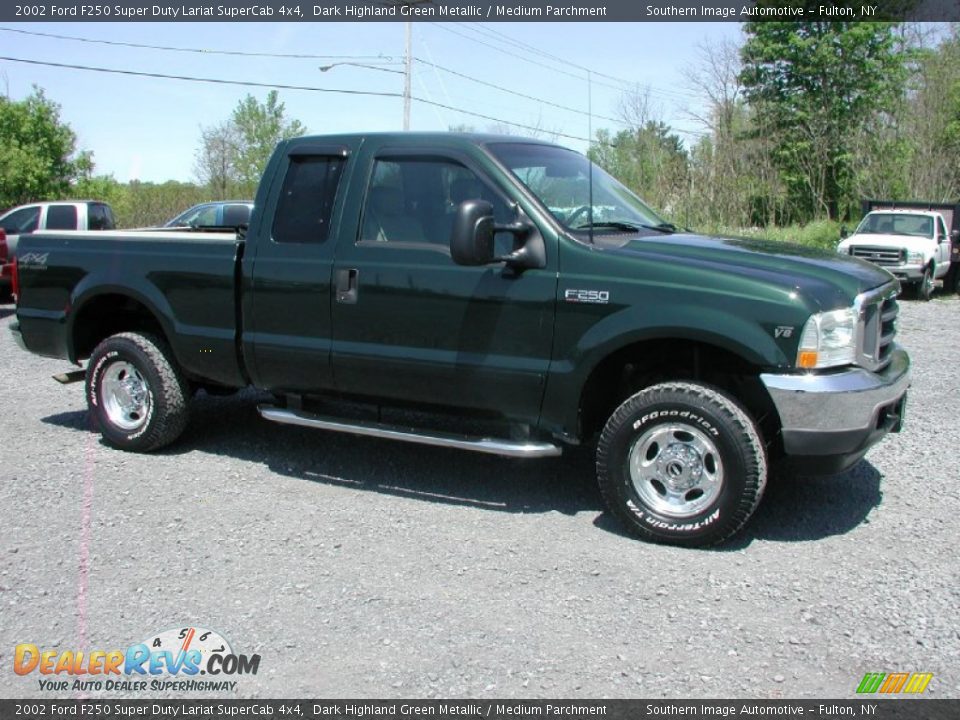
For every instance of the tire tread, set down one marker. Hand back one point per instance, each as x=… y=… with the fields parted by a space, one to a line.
x=171 y=398
x=755 y=461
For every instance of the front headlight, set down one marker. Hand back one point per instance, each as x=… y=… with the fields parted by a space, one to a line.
x=828 y=339
x=915 y=258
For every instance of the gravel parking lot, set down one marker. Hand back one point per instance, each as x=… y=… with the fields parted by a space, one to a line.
x=365 y=568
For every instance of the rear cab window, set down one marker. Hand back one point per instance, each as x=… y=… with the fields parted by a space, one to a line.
x=307 y=199
x=99 y=217
x=61 y=217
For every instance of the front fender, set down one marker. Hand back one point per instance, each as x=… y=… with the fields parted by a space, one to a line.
x=750 y=336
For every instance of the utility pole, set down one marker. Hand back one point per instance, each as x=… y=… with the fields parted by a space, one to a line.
x=408 y=69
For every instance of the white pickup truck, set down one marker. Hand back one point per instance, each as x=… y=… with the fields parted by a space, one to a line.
x=55 y=215
x=913 y=244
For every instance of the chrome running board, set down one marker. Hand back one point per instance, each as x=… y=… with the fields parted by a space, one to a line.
x=493 y=446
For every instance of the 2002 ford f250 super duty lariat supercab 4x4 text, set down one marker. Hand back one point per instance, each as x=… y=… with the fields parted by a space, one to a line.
x=494 y=283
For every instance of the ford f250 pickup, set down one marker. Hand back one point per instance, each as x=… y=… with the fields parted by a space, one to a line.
x=512 y=297
x=916 y=242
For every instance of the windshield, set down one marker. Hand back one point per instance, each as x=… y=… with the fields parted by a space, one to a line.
x=560 y=179
x=197 y=216
x=897 y=224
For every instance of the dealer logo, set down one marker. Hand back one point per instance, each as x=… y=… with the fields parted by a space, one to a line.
x=170 y=660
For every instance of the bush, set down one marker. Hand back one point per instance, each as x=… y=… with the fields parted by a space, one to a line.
x=823 y=234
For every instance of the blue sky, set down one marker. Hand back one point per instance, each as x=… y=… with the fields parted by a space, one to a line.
x=149 y=128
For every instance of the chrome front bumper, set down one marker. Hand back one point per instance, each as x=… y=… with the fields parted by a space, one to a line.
x=841 y=413
x=908 y=273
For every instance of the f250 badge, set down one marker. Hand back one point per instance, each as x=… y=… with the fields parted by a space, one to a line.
x=597 y=297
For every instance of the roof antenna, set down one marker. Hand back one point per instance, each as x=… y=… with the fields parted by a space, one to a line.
x=589 y=143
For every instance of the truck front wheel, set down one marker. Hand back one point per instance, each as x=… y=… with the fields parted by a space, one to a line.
x=681 y=463
x=925 y=287
x=135 y=393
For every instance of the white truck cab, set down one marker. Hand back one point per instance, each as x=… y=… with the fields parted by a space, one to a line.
x=55 y=215
x=914 y=245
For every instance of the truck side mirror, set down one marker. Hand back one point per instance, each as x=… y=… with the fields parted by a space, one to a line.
x=844 y=233
x=471 y=242
x=474 y=230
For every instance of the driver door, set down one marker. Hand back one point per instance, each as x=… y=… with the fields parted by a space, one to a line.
x=410 y=324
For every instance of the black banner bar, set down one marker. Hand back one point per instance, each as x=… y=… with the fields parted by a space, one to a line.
x=471 y=10
x=869 y=706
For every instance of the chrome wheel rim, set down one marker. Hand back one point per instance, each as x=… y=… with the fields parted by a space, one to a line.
x=125 y=396
x=676 y=470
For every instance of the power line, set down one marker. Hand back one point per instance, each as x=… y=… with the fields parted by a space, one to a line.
x=250 y=83
x=444 y=27
x=512 y=52
x=145 y=46
x=303 y=56
x=696 y=133
x=516 y=44
x=200 y=51
x=514 y=48
x=190 y=78
x=514 y=92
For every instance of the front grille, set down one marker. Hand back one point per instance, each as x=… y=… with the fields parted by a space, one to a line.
x=880 y=255
x=878 y=322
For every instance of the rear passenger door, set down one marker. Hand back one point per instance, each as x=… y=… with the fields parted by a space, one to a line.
x=412 y=325
x=286 y=307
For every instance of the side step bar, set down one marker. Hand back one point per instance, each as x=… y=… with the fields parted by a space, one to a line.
x=509 y=448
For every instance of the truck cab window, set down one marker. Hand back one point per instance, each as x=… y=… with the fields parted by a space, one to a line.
x=96 y=217
x=62 y=217
x=413 y=200
x=22 y=221
x=306 y=199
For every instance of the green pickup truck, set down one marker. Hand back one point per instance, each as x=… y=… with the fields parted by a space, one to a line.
x=511 y=298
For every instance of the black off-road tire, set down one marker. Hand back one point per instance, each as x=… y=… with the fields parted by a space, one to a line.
x=689 y=415
x=923 y=290
x=149 y=362
x=951 y=281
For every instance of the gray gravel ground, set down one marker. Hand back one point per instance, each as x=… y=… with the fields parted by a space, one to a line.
x=365 y=568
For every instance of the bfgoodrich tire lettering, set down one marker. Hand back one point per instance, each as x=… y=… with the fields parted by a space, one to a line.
x=681 y=463
x=135 y=393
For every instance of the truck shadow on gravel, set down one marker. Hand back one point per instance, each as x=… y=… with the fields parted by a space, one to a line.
x=792 y=511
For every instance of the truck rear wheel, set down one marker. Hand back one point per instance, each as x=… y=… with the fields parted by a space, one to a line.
x=951 y=281
x=681 y=463
x=135 y=393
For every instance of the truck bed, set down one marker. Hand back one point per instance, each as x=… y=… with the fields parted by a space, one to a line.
x=189 y=281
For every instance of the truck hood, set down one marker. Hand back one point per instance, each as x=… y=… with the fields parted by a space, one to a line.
x=826 y=278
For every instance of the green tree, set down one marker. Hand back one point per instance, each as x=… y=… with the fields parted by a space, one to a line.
x=38 y=151
x=650 y=160
x=259 y=127
x=216 y=160
x=232 y=155
x=930 y=123
x=813 y=87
